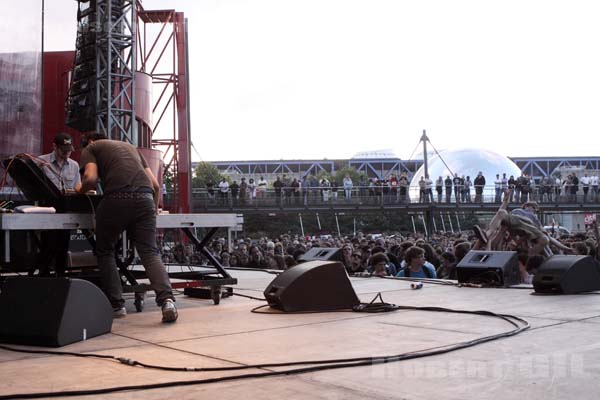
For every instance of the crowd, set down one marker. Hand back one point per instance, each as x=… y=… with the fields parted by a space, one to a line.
x=413 y=255
x=396 y=189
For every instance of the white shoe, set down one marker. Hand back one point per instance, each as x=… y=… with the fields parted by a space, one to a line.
x=169 y=311
x=119 y=312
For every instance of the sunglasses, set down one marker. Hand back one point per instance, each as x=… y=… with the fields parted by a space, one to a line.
x=356 y=255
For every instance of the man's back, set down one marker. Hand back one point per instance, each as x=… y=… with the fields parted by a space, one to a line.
x=120 y=165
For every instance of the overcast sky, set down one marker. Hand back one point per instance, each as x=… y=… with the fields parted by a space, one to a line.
x=313 y=79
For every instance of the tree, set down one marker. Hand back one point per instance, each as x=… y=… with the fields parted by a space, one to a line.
x=168 y=179
x=205 y=172
x=352 y=172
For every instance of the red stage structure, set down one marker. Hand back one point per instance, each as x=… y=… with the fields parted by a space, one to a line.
x=161 y=98
x=162 y=54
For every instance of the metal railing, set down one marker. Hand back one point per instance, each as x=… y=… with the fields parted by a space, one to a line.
x=377 y=196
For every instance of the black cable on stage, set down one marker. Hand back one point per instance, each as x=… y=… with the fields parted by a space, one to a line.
x=59 y=353
x=248 y=297
x=268 y=271
x=317 y=365
x=424 y=280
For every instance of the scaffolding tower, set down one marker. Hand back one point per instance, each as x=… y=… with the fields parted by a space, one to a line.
x=115 y=69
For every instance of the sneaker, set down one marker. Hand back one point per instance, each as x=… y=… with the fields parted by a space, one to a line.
x=480 y=233
x=119 y=312
x=169 y=311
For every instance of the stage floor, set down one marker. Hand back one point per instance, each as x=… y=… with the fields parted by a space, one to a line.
x=558 y=357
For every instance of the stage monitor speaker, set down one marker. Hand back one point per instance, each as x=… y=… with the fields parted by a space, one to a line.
x=312 y=286
x=499 y=268
x=567 y=274
x=52 y=312
x=322 y=254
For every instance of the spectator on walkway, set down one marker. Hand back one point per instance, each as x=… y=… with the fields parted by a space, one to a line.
x=210 y=190
x=251 y=190
x=347 y=182
x=458 y=184
x=512 y=187
x=594 y=187
x=585 y=185
x=525 y=184
x=403 y=188
x=448 y=185
x=295 y=185
x=467 y=189
x=393 y=182
x=334 y=190
x=243 y=191
x=479 y=184
x=223 y=191
x=498 y=189
x=325 y=189
x=235 y=190
x=439 y=188
x=278 y=187
x=261 y=188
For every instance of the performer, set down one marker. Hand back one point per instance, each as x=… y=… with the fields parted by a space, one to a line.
x=64 y=174
x=131 y=195
x=59 y=167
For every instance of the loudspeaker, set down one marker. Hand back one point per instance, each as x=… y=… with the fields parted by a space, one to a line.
x=52 y=312
x=312 y=286
x=567 y=274
x=499 y=268
x=322 y=254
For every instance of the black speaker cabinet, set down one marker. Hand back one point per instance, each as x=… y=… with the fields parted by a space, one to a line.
x=322 y=254
x=567 y=274
x=312 y=286
x=500 y=268
x=52 y=312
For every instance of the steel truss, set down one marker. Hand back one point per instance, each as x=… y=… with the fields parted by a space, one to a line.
x=536 y=167
x=301 y=168
x=115 y=69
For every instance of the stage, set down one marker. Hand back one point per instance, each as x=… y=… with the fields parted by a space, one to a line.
x=558 y=357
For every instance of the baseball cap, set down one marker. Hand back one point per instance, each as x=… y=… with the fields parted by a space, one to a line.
x=63 y=139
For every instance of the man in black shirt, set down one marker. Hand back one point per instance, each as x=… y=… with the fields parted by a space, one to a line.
x=130 y=202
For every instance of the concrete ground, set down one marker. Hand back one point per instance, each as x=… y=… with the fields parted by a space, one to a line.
x=559 y=357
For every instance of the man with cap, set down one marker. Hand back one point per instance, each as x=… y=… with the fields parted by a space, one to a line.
x=59 y=167
x=130 y=202
x=64 y=173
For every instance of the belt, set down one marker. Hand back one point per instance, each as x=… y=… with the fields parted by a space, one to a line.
x=129 y=195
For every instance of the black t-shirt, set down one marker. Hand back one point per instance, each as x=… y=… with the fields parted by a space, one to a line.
x=120 y=165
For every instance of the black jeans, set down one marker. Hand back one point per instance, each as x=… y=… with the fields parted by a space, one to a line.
x=138 y=218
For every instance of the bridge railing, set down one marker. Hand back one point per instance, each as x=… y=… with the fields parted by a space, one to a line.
x=373 y=196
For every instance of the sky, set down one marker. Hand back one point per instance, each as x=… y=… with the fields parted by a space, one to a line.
x=315 y=79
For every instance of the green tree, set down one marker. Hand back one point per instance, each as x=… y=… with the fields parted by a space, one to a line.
x=205 y=172
x=341 y=173
x=168 y=179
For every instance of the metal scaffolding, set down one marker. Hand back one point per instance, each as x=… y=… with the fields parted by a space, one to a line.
x=115 y=69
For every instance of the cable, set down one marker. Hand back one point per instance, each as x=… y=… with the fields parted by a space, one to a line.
x=413 y=152
x=424 y=280
x=519 y=324
x=248 y=297
x=268 y=271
